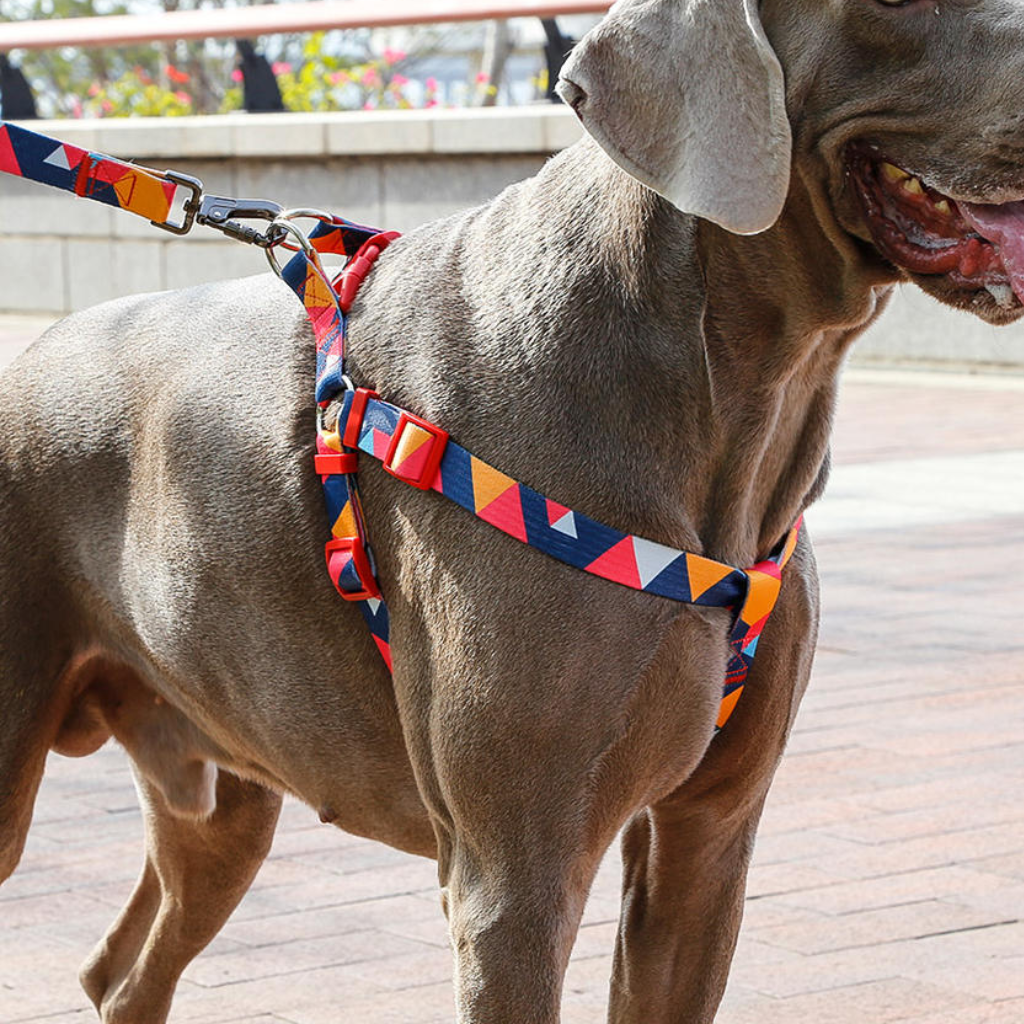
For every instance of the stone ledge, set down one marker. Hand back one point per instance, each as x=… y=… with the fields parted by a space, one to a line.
x=543 y=128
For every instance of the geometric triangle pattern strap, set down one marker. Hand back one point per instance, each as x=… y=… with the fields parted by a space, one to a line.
x=324 y=302
x=393 y=436
x=765 y=585
x=40 y=158
x=562 y=533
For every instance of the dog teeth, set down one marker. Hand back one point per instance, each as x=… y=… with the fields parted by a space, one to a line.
x=1002 y=293
x=913 y=186
x=893 y=173
x=943 y=207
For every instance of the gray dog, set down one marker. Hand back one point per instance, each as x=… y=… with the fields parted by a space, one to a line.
x=671 y=373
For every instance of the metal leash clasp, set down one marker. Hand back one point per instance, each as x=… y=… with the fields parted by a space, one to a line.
x=223 y=213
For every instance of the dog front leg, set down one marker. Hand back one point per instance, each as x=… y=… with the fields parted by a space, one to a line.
x=686 y=857
x=523 y=813
x=682 y=907
x=196 y=872
x=513 y=917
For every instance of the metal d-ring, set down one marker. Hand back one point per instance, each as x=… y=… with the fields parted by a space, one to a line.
x=279 y=229
x=283 y=226
x=305 y=212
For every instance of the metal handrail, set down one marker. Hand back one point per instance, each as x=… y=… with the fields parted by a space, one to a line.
x=268 y=19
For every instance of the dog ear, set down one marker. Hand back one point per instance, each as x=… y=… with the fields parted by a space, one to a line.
x=688 y=97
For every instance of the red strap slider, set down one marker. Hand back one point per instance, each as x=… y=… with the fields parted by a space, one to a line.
x=356 y=412
x=331 y=463
x=348 y=565
x=414 y=454
x=359 y=266
x=84 y=175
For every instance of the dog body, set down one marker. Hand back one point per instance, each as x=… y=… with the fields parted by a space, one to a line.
x=162 y=527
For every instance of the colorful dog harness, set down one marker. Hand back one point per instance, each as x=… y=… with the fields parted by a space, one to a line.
x=411 y=448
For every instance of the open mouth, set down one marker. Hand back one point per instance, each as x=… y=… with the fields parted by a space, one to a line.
x=975 y=247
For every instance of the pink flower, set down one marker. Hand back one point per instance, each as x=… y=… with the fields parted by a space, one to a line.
x=182 y=97
x=399 y=80
x=338 y=78
x=431 y=84
x=94 y=89
x=431 y=103
x=482 y=78
x=106 y=106
x=370 y=76
x=281 y=67
x=76 y=108
x=237 y=76
x=393 y=56
x=368 y=105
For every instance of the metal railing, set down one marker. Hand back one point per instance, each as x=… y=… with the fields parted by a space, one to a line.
x=246 y=23
x=269 y=19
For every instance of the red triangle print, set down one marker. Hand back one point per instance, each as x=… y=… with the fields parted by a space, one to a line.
x=385 y=651
x=768 y=568
x=555 y=511
x=506 y=513
x=414 y=464
x=618 y=563
x=8 y=161
x=381 y=442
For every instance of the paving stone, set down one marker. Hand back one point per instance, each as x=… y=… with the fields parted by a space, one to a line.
x=892 y=999
x=870 y=927
x=956 y=883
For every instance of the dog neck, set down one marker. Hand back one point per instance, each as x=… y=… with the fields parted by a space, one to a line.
x=782 y=310
x=778 y=314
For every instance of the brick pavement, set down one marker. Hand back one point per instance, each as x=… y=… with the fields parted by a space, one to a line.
x=888 y=882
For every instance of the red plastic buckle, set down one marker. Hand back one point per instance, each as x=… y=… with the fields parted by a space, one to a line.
x=415 y=459
x=334 y=464
x=359 y=266
x=356 y=412
x=361 y=560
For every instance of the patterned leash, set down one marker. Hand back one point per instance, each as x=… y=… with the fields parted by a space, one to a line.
x=411 y=448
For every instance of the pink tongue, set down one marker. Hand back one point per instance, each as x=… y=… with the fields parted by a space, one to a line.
x=1003 y=226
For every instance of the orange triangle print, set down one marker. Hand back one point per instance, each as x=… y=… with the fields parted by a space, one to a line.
x=345 y=524
x=506 y=513
x=761 y=598
x=704 y=574
x=488 y=484
x=125 y=189
x=317 y=294
x=143 y=195
x=729 y=702
x=412 y=443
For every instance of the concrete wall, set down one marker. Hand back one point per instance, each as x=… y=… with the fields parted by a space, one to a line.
x=917 y=330
x=393 y=170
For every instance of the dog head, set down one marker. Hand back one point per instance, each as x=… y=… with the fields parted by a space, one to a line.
x=903 y=118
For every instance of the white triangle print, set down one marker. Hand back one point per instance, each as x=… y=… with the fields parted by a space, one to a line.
x=374 y=604
x=330 y=363
x=58 y=158
x=652 y=558
x=566 y=525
